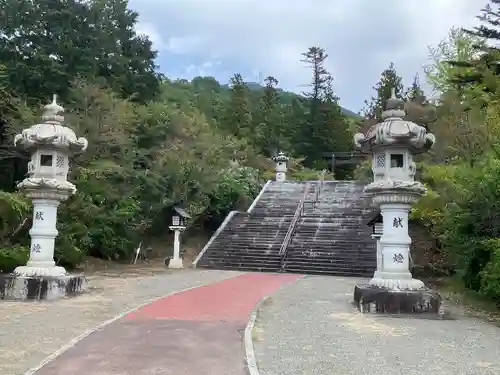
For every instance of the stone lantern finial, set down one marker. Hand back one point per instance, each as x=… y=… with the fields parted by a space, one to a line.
x=394 y=107
x=52 y=112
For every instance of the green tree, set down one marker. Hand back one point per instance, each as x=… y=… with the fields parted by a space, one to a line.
x=238 y=118
x=418 y=108
x=48 y=43
x=447 y=58
x=334 y=133
x=389 y=80
x=481 y=69
x=270 y=120
x=415 y=93
x=322 y=119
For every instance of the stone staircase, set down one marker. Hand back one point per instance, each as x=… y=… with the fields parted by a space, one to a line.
x=325 y=234
x=331 y=235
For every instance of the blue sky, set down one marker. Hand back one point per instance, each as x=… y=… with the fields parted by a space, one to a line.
x=260 y=38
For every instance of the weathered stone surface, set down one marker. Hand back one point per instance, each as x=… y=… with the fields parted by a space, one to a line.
x=331 y=236
x=24 y=288
x=380 y=300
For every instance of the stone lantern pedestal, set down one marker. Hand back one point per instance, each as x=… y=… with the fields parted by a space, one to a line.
x=393 y=143
x=176 y=261
x=51 y=145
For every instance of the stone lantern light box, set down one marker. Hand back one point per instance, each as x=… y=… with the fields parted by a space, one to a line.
x=49 y=164
x=179 y=217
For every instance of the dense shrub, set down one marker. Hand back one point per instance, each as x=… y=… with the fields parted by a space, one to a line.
x=11 y=257
x=465 y=217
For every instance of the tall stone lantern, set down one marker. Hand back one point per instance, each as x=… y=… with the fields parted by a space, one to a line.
x=392 y=143
x=281 y=161
x=50 y=145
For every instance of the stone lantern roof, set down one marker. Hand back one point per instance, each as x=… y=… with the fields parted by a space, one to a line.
x=51 y=132
x=394 y=131
x=281 y=157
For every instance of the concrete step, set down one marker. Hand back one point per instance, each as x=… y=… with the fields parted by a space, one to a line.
x=331 y=236
x=344 y=261
x=241 y=267
x=329 y=272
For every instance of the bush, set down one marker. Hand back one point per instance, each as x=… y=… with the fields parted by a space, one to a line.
x=490 y=274
x=237 y=187
x=11 y=257
x=470 y=222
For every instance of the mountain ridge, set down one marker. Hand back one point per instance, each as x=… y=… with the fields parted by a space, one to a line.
x=254 y=86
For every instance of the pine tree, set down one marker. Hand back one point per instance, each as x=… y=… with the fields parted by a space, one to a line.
x=418 y=109
x=487 y=64
x=315 y=59
x=389 y=80
x=415 y=93
x=238 y=118
x=334 y=133
x=270 y=136
x=318 y=131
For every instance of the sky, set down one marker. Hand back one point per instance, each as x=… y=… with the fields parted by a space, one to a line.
x=258 y=38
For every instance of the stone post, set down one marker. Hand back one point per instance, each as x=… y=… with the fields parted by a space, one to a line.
x=176 y=261
x=281 y=161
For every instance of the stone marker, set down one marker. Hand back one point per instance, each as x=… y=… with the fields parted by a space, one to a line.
x=50 y=145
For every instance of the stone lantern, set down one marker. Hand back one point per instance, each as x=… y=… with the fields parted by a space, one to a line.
x=392 y=143
x=50 y=145
x=281 y=160
x=179 y=218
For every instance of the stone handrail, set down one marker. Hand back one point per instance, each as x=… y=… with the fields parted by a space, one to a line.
x=321 y=180
x=296 y=216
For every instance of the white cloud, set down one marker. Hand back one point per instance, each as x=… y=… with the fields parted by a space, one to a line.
x=185 y=45
x=149 y=30
x=193 y=70
x=361 y=36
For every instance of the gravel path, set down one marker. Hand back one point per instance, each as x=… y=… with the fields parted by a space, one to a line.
x=29 y=332
x=310 y=328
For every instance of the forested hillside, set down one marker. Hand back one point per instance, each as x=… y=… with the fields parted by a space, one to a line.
x=155 y=142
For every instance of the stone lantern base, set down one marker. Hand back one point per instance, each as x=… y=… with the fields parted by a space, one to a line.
x=176 y=263
x=32 y=288
x=373 y=299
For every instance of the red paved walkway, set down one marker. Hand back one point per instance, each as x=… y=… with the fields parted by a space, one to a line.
x=197 y=332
